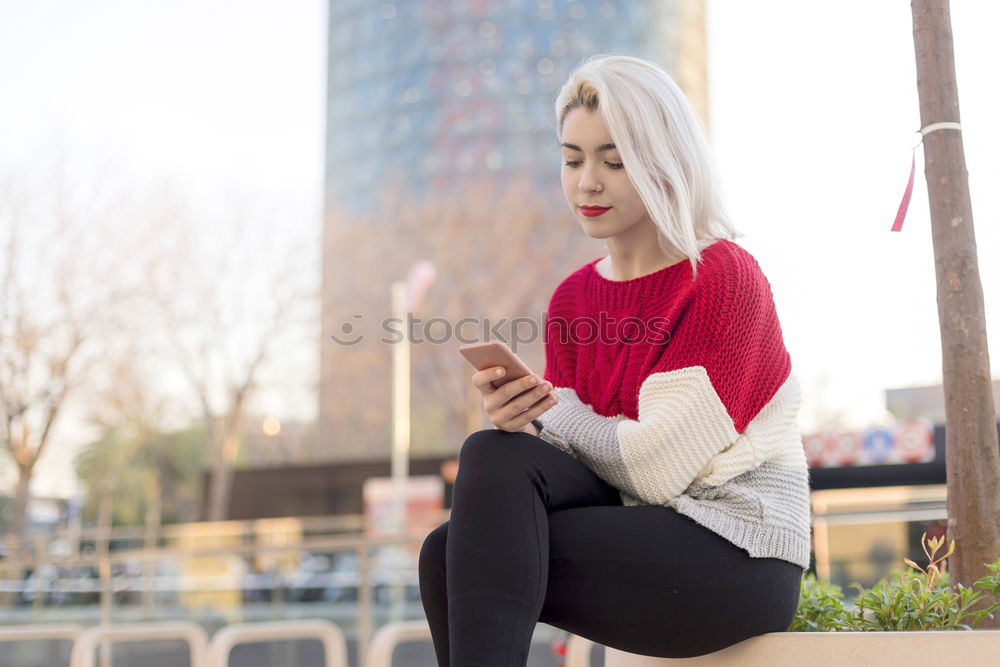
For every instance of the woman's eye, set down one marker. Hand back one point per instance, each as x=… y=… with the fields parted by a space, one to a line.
x=576 y=163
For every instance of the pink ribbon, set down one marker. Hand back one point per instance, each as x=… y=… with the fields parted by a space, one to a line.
x=897 y=225
x=905 y=204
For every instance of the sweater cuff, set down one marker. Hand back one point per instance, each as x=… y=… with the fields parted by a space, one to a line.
x=549 y=420
x=574 y=423
x=544 y=422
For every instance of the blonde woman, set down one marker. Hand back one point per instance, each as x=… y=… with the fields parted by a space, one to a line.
x=650 y=492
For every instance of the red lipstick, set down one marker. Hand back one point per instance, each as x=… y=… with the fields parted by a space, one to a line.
x=593 y=211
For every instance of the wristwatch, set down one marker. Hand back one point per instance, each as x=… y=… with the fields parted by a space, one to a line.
x=537 y=424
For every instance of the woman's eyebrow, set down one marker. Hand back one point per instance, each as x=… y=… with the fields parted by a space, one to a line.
x=600 y=149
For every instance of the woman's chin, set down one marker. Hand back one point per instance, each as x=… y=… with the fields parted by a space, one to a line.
x=595 y=230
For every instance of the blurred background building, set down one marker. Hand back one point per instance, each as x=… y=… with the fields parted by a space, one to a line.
x=927 y=401
x=436 y=93
x=425 y=98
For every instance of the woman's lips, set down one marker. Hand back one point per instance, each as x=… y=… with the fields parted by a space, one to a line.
x=593 y=211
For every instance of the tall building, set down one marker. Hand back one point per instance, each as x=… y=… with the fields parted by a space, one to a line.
x=436 y=94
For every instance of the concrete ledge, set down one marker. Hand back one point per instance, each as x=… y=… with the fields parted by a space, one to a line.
x=840 y=649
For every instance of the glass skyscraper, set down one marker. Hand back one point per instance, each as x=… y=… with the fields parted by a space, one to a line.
x=433 y=92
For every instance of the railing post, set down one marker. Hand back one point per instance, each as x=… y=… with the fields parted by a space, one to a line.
x=364 y=604
x=40 y=554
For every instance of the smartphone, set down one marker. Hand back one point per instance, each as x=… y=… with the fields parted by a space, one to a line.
x=488 y=355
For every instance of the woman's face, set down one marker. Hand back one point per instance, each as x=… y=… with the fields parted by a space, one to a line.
x=593 y=175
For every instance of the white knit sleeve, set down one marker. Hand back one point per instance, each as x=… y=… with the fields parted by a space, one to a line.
x=682 y=424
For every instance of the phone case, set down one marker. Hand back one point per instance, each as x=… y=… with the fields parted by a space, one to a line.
x=497 y=353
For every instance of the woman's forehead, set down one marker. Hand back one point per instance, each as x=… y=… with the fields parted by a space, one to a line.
x=582 y=119
x=585 y=130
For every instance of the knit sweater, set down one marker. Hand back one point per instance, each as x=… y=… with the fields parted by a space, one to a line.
x=678 y=391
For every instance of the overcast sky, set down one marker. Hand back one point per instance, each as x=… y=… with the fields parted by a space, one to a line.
x=813 y=114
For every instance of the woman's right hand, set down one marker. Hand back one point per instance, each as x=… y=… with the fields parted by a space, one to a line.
x=514 y=404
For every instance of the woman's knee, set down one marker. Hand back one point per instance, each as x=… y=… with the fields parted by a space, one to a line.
x=493 y=447
x=480 y=443
x=433 y=549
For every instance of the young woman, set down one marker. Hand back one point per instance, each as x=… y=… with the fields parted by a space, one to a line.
x=651 y=492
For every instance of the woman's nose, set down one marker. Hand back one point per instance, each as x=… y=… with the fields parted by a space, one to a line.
x=588 y=183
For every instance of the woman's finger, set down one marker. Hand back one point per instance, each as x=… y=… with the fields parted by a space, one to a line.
x=530 y=398
x=523 y=401
x=501 y=399
x=483 y=379
x=520 y=420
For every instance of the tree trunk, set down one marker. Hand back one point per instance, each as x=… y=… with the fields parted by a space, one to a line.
x=973 y=459
x=22 y=496
x=17 y=536
x=105 y=519
x=150 y=542
x=220 y=485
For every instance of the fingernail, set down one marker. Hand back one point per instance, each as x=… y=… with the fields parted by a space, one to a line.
x=499 y=371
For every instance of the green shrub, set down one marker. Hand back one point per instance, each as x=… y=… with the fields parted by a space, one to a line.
x=915 y=599
x=821 y=606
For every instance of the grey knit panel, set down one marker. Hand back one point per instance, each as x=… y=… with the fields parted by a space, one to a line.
x=570 y=421
x=765 y=511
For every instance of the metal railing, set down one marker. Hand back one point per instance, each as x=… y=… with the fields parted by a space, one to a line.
x=25 y=633
x=389 y=636
x=334 y=646
x=106 y=588
x=202 y=653
x=28 y=633
x=87 y=643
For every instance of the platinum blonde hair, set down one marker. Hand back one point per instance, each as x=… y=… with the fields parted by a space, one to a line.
x=662 y=145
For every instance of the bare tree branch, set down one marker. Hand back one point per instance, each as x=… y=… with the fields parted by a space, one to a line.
x=224 y=302
x=61 y=289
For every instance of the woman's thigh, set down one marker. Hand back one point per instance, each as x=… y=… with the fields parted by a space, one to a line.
x=651 y=581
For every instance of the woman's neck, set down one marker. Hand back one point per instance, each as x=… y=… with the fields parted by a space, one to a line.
x=616 y=266
x=634 y=253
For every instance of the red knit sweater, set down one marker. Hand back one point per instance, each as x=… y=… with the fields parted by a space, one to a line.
x=724 y=321
x=678 y=391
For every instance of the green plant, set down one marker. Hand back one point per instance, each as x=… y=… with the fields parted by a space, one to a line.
x=821 y=606
x=915 y=599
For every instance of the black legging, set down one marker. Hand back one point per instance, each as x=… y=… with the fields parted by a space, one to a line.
x=536 y=536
